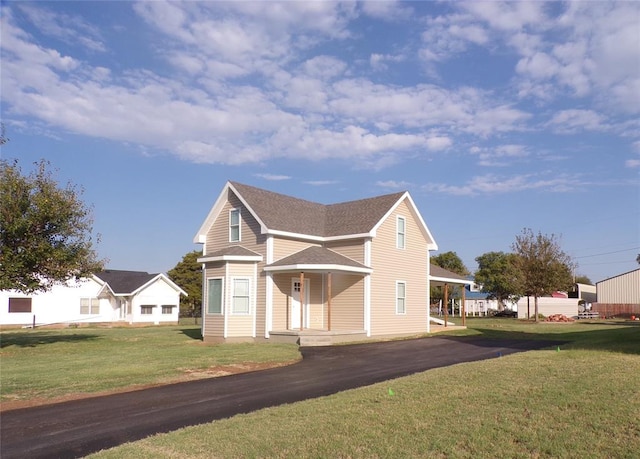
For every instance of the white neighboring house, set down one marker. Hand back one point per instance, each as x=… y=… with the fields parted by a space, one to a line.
x=110 y=296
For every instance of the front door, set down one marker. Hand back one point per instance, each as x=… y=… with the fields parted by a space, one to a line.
x=294 y=313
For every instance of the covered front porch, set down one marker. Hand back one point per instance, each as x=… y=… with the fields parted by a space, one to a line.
x=316 y=297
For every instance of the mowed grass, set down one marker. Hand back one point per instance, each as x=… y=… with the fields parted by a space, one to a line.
x=581 y=400
x=47 y=364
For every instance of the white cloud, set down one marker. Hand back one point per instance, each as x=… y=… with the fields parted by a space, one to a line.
x=379 y=61
x=499 y=156
x=572 y=121
x=273 y=177
x=494 y=184
x=69 y=29
x=388 y=10
x=509 y=16
x=320 y=182
x=394 y=184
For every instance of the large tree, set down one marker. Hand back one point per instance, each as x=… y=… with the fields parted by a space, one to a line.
x=451 y=262
x=543 y=265
x=45 y=230
x=188 y=275
x=499 y=277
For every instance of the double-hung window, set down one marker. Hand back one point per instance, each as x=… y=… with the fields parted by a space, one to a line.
x=234 y=225
x=400 y=232
x=401 y=297
x=89 y=306
x=240 y=301
x=214 y=296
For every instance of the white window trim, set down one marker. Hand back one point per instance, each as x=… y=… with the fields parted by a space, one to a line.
x=206 y=288
x=90 y=306
x=239 y=224
x=404 y=298
x=232 y=295
x=398 y=232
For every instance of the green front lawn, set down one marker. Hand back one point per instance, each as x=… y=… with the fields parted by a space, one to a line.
x=50 y=363
x=581 y=400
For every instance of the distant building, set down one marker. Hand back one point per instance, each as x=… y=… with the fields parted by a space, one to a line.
x=110 y=296
x=619 y=295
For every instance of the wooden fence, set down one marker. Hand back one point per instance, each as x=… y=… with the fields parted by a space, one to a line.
x=616 y=309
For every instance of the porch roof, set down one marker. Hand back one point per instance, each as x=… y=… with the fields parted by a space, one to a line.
x=318 y=259
x=441 y=276
x=232 y=253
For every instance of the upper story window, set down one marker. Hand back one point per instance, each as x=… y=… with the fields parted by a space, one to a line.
x=234 y=225
x=400 y=232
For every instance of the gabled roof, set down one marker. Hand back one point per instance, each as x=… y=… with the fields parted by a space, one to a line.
x=130 y=282
x=317 y=258
x=285 y=215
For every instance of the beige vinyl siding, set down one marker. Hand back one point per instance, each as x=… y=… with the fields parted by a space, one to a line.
x=240 y=324
x=353 y=249
x=622 y=289
x=391 y=265
x=214 y=323
x=347 y=304
x=218 y=235
x=282 y=300
x=284 y=247
x=250 y=238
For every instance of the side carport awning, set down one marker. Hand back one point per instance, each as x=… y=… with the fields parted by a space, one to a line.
x=441 y=277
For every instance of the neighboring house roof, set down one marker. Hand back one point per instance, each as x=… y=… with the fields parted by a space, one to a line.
x=130 y=282
x=436 y=273
x=315 y=257
x=475 y=295
x=285 y=215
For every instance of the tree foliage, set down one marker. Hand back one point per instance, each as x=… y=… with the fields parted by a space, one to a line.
x=499 y=276
x=450 y=261
x=45 y=230
x=583 y=280
x=543 y=265
x=188 y=275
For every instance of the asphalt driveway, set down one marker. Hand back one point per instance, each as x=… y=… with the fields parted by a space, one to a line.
x=80 y=427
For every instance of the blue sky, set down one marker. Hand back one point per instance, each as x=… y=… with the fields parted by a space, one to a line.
x=495 y=116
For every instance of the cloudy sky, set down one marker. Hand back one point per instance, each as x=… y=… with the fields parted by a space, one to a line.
x=495 y=116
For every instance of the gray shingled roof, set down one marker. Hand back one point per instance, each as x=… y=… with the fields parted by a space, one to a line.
x=437 y=271
x=285 y=213
x=315 y=255
x=124 y=282
x=234 y=250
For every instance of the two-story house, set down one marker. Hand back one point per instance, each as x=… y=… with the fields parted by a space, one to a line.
x=278 y=267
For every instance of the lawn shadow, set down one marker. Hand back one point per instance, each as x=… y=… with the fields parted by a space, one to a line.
x=623 y=338
x=26 y=339
x=193 y=333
